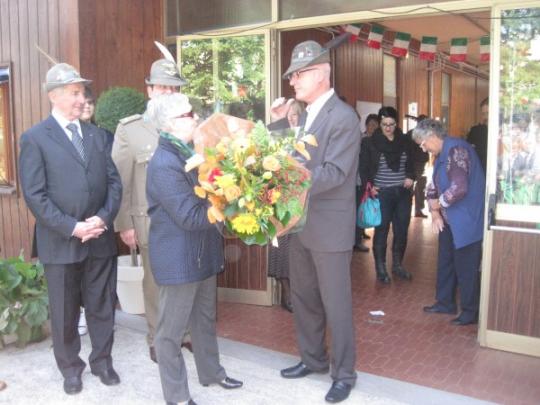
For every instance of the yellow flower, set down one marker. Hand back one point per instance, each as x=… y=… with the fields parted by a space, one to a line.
x=271 y=163
x=267 y=175
x=250 y=205
x=245 y=223
x=225 y=181
x=232 y=193
x=240 y=144
x=274 y=197
x=310 y=140
x=250 y=160
x=301 y=148
x=221 y=148
x=215 y=212
x=200 y=192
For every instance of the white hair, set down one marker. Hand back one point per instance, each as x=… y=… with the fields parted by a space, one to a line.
x=163 y=108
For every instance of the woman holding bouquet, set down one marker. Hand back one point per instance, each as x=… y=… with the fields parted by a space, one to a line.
x=386 y=162
x=186 y=253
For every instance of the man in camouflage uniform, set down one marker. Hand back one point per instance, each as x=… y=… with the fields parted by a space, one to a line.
x=134 y=144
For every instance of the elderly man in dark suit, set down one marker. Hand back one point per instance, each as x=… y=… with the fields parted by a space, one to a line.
x=320 y=255
x=72 y=187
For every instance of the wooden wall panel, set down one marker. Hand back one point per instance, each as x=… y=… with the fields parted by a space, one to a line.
x=514 y=292
x=245 y=266
x=111 y=51
x=117 y=41
x=462 y=103
x=25 y=23
x=413 y=85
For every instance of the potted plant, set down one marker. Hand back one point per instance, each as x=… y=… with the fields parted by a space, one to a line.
x=23 y=300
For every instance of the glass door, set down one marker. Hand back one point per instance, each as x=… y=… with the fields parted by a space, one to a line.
x=509 y=307
x=230 y=73
x=515 y=181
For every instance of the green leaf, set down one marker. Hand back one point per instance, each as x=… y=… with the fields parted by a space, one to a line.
x=36 y=312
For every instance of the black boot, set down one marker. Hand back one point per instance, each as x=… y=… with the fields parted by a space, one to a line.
x=397 y=268
x=380 y=265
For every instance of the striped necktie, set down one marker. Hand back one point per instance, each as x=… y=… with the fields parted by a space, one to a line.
x=77 y=140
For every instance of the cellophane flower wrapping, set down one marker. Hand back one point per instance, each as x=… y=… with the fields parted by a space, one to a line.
x=256 y=190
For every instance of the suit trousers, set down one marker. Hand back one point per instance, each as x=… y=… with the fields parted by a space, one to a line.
x=321 y=295
x=151 y=296
x=458 y=267
x=94 y=282
x=181 y=306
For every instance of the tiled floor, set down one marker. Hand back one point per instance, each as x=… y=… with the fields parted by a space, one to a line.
x=406 y=343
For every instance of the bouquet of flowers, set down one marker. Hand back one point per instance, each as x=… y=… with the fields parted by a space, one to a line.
x=254 y=186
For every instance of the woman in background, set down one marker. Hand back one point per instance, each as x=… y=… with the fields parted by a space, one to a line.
x=456 y=201
x=386 y=162
x=278 y=257
x=372 y=123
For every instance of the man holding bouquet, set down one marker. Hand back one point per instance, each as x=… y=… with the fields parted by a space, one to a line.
x=320 y=255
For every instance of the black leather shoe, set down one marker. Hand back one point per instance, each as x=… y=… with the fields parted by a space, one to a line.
x=153 y=356
x=383 y=277
x=459 y=321
x=338 y=392
x=287 y=306
x=228 y=383
x=402 y=273
x=72 y=385
x=187 y=345
x=108 y=377
x=298 y=371
x=361 y=248
x=438 y=309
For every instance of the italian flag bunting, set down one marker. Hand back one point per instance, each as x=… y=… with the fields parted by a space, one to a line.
x=484 y=48
x=375 y=37
x=401 y=44
x=354 y=30
x=428 y=48
x=458 y=50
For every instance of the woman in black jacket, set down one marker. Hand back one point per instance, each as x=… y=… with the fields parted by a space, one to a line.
x=386 y=162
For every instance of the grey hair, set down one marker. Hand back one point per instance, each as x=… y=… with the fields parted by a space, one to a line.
x=427 y=128
x=163 y=108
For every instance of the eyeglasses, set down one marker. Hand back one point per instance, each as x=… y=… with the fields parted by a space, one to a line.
x=296 y=75
x=388 y=125
x=186 y=115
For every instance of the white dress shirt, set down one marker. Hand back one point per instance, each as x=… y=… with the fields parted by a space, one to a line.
x=63 y=122
x=314 y=108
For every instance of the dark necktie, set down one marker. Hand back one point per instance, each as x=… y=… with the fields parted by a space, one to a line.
x=77 y=140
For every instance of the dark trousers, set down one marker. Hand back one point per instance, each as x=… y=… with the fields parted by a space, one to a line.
x=93 y=281
x=419 y=193
x=396 y=210
x=458 y=268
x=321 y=295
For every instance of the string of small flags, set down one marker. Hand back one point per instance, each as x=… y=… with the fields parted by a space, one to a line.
x=428 y=46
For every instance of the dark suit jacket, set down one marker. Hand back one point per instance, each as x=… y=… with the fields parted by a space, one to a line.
x=184 y=246
x=61 y=189
x=331 y=214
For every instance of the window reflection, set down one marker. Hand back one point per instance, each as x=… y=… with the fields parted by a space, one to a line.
x=226 y=75
x=519 y=136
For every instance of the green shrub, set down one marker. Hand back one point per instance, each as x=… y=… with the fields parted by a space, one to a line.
x=117 y=103
x=23 y=299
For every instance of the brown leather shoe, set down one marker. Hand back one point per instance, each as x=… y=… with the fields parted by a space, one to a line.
x=153 y=356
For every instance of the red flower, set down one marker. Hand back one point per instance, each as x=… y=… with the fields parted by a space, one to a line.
x=216 y=172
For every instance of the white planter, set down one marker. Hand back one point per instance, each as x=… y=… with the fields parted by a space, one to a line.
x=129 y=288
